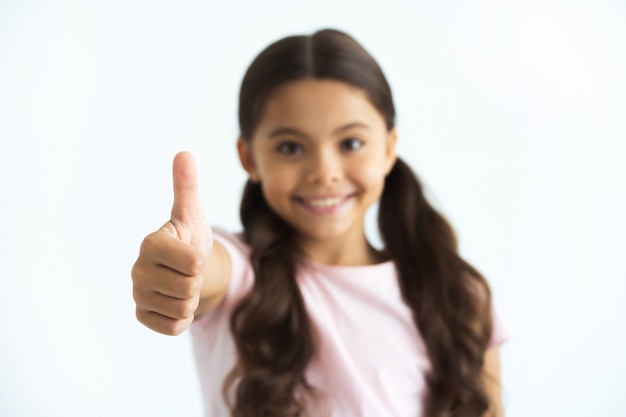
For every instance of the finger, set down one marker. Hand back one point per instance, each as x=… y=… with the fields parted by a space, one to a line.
x=160 y=248
x=165 y=281
x=174 y=284
x=162 y=324
x=187 y=208
x=173 y=308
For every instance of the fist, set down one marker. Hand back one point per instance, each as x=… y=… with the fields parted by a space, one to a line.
x=169 y=272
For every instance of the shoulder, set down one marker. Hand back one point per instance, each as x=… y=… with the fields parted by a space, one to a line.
x=501 y=331
x=231 y=241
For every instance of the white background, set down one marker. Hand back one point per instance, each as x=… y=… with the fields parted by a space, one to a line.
x=512 y=113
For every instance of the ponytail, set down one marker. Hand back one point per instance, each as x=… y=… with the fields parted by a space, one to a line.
x=270 y=326
x=450 y=300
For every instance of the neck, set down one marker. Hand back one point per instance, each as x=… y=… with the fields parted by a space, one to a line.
x=341 y=251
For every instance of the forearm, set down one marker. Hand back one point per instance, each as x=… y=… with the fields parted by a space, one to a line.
x=216 y=279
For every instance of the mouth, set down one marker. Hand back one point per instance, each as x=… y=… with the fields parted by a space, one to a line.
x=323 y=204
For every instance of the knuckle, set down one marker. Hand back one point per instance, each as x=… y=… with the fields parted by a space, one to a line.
x=136 y=295
x=192 y=307
x=145 y=245
x=136 y=273
x=176 y=327
x=173 y=329
x=140 y=298
x=190 y=288
x=195 y=263
x=140 y=283
x=197 y=286
x=161 y=324
x=149 y=243
x=142 y=317
x=185 y=309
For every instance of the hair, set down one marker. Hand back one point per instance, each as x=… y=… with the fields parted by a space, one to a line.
x=450 y=300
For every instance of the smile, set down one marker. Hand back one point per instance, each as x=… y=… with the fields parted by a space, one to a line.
x=323 y=205
x=324 y=202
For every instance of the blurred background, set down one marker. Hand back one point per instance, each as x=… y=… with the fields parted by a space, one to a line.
x=512 y=113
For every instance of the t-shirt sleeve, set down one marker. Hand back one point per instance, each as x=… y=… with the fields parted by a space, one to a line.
x=241 y=278
x=501 y=332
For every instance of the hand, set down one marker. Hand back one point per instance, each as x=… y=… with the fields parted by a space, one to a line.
x=168 y=274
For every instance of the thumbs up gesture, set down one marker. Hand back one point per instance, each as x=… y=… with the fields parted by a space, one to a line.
x=169 y=274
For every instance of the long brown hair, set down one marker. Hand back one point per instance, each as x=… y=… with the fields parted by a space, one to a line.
x=450 y=300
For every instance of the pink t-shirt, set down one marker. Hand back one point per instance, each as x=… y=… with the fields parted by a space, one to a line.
x=370 y=359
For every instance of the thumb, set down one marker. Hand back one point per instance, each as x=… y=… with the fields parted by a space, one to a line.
x=187 y=208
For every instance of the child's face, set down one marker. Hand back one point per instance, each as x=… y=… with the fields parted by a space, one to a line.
x=321 y=152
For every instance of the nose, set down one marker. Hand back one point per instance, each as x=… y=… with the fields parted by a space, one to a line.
x=325 y=167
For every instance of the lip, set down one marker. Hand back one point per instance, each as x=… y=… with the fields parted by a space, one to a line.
x=323 y=204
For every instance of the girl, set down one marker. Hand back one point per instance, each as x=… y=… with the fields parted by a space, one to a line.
x=300 y=315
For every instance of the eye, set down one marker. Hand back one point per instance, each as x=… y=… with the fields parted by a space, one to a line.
x=289 y=148
x=351 y=144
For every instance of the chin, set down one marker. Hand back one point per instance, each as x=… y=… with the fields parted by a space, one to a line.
x=322 y=234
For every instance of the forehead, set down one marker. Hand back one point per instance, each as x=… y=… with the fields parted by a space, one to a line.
x=318 y=107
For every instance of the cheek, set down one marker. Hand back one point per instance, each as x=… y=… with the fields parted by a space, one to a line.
x=277 y=181
x=370 y=174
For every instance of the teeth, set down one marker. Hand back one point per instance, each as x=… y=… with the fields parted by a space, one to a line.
x=324 y=202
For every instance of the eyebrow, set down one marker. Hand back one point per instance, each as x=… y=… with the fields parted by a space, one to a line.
x=295 y=132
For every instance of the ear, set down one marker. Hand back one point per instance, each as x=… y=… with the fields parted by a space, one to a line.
x=246 y=159
x=391 y=156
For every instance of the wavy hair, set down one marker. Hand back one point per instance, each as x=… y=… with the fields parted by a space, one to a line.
x=450 y=300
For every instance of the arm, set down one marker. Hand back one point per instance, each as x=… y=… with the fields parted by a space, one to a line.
x=216 y=279
x=491 y=379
